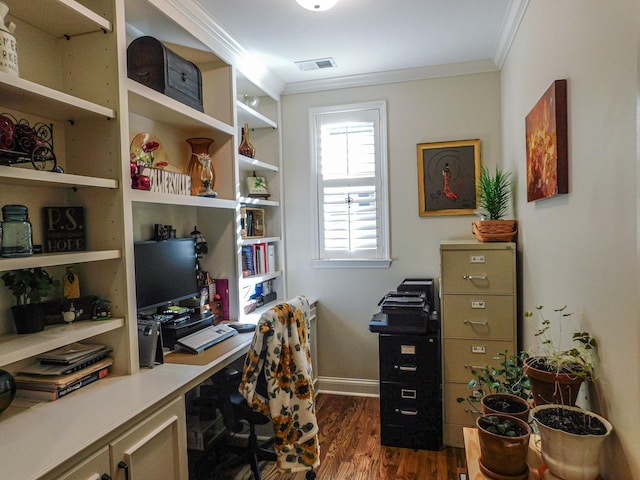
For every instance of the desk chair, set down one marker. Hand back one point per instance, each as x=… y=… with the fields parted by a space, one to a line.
x=266 y=350
x=235 y=410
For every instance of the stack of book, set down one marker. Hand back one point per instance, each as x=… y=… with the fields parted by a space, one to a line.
x=62 y=371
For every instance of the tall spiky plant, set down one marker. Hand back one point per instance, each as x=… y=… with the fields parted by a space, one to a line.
x=494 y=192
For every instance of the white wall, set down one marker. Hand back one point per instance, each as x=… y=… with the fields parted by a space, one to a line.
x=581 y=249
x=454 y=108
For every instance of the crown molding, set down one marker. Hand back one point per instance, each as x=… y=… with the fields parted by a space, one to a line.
x=227 y=48
x=512 y=19
x=392 y=76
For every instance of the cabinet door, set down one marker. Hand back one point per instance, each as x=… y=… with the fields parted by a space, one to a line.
x=155 y=449
x=96 y=467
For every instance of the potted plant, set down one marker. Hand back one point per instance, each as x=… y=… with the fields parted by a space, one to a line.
x=571 y=440
x=504 y=446
x=29 y=287
x=502 y=389
x=556 y=375
x=494 y=194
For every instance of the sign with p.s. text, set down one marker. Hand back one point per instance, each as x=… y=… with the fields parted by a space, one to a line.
x=63 y=229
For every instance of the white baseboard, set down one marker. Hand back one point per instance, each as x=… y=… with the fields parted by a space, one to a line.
x=348 y=386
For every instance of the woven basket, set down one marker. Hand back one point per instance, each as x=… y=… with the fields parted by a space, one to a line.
x=495 y=230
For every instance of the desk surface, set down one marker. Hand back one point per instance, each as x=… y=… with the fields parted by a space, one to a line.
x=35 y=440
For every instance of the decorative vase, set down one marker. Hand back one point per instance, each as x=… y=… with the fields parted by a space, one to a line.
x=29 y=318
x=138 y=180
x=568 y=455
x=199 y=146
x=246 y=148
x=7 y=390
x=552 y=387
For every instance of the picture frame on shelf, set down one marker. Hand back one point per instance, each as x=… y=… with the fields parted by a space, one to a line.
x=448 y=175
x=257 y=187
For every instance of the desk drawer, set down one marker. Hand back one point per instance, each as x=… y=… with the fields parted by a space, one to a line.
x=479 y=316
x=462 y=355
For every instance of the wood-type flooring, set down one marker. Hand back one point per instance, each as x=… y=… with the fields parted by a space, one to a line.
x=350 y=449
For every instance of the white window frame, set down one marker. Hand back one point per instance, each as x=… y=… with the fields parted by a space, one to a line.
x=381 y=258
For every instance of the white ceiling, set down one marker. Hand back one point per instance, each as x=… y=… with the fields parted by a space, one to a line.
x=368 y=37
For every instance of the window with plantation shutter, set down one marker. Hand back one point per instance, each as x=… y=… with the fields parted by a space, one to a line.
x=349 y=167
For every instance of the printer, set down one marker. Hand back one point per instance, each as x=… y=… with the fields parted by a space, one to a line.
x=411 y=309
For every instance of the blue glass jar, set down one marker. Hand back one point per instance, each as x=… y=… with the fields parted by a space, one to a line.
x=17 y=238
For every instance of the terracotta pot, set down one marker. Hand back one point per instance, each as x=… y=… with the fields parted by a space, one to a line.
x=501 y=456
x=523 y=414
x=552 y=387
x=567 y=455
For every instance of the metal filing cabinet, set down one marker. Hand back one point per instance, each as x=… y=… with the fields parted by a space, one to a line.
x=410 y=391
x=479 y=319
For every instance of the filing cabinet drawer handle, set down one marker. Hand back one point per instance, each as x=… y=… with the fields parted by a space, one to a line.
x=475 y=367
x=474 y=277
x=411 y=413
x=475 y=322
x=406 y=368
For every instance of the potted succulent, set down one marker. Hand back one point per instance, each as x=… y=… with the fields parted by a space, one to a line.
x=504 y=446
x=556 y=375
x=494 y=194
x=29 y=287
x=502 y=389
x=571 y=440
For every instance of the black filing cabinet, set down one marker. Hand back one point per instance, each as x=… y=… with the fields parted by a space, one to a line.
x=411 y=391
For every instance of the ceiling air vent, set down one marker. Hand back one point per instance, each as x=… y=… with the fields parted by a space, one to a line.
x=317 y=64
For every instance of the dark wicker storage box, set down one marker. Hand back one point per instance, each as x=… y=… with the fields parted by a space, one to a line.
x=154 y=65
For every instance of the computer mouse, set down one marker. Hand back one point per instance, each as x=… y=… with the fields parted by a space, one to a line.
x=243 y=327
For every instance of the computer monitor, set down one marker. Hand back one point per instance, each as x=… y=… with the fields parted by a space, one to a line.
x=166 y=272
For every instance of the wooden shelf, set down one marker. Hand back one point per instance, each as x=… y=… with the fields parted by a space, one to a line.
x=30 y=177
x=14 y=348
x=249 y=164
x=154 y=105
x=253 y=118
x=253 y=279
x=258 y=202
x=253 y=241
x=33 y=98
x=61 y=18
x=143 y=196
x=53 y=259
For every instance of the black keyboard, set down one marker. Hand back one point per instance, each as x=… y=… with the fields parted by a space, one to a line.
x=199 y=341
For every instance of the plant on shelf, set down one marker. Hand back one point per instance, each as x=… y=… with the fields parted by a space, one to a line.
x=504 y=446
x=501 y=389
x=494 y=194
x=556 y=374
x=29 y=287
